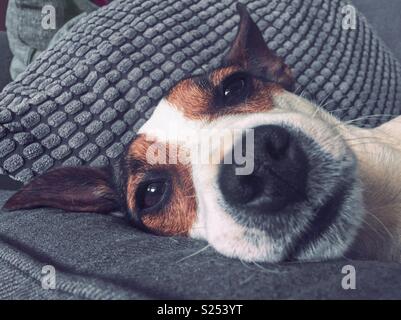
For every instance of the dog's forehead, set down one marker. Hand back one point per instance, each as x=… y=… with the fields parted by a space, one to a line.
x=167 y=123
x=189 y=106
x=193 y=96
x=184 y=110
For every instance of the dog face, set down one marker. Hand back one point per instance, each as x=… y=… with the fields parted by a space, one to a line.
x=275 y=182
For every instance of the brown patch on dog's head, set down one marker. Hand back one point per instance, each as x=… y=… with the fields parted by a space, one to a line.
x=251 y=68
x=176 y=214
x=191 y=99
x=88 y=189
x=216 y=77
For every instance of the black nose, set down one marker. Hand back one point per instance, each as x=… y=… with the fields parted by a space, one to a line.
x=279 y=177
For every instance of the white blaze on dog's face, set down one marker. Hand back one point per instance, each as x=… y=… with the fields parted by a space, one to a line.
x=298 y=199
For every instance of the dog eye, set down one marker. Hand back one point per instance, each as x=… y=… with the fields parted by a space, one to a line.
x=235 y=88
x=150 y=194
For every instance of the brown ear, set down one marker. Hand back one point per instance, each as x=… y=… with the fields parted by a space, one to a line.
x=250 y=51
x=70 y=188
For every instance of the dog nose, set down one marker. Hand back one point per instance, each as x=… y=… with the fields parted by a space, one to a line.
x=275 y=141
x=279 y=177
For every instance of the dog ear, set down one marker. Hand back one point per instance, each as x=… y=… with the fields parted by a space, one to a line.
x=82 y=189
x=250 y=51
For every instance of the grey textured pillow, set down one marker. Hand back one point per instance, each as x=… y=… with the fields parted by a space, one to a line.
x=82 y=101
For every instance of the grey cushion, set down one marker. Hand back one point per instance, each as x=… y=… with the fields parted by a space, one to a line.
x=102 y=257
x=82 y=101
x=5 y=59
x=385 y=19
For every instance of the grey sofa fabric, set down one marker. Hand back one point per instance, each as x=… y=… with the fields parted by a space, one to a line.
x=102 y=257
x=5 y=78
x=26 y=35
x=385 y=18
x=82 y=101
x=5 y=60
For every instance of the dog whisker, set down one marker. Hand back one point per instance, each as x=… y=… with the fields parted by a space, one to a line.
x=375 y=139
x=296 y=91
x=194 y=254
x=316 y=112
x=264 y=269
x=246 y=280
x=367 y=117
x=329 y=94
x=364 y=221
x=354 y=106
x=337 y=110
x=245 y=264
x=381 y=223
x=323 y=106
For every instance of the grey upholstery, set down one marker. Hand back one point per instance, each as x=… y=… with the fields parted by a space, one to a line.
x=5 y=60
x=102 y=257
x=5 y=78
x=385 y=19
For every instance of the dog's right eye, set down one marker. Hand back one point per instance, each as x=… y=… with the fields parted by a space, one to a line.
x=151 y=195
x=235 y=88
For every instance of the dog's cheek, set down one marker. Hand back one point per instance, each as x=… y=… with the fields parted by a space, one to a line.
x=179 y=215
x=177 y=218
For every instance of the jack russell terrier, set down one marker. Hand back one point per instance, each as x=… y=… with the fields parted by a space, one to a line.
x=318 y=188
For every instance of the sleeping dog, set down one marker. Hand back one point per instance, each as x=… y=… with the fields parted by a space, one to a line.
x=316 y=188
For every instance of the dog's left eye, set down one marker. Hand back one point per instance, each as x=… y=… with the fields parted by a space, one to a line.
x=149 y=195
x=235 y=88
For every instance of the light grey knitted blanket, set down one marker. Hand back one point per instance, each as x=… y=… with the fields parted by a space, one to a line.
x=82 y=101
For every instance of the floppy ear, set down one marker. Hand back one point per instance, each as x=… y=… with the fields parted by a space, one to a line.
x=250 y=51
x=70 y=188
